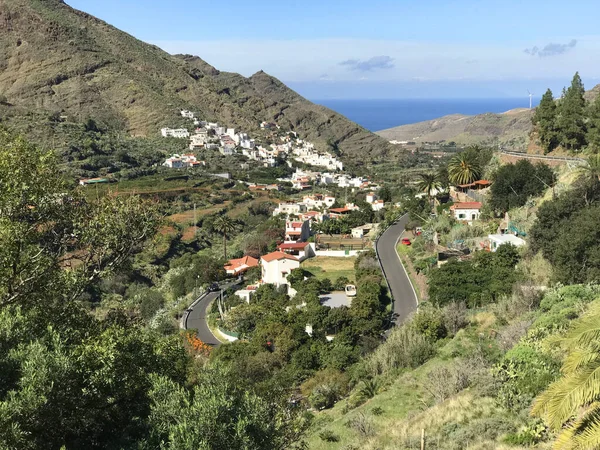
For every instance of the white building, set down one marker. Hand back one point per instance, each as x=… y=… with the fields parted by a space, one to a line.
x=288 y=208
x=466 y=211
x=187 y=114
x=378 y=205
x=226 y=151
x=181 y=161
x=297 y=230
x=276 y=267
x=197 y=140
x=220 y=131
x=230 y=132
x=496 y=240
x=176 y=133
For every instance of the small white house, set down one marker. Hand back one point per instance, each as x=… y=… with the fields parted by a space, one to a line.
x=378 y=205
x=297 y=230
x=226 y=151
x=176 y=133
x=466 y=211
x=496 y=240
x=277 y=266
x=187 y=114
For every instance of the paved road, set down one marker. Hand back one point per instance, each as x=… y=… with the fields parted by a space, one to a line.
x=405 y=299
x=197 y=320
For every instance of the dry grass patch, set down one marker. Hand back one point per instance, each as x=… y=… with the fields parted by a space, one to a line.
x=328 y=267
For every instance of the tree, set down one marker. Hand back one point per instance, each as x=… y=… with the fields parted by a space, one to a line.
x=515 y=183
x=429 y=183
x=545 y=121
x=464 y=168
x=571 y=405
x=225 y=226
x=593 y=125
x=591 y=170
x=571 y=116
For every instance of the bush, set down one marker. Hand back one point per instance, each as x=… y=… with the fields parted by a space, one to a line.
x=329 y=436
x=362 y=425
x=377 y=411
x=325 y=388
x=405 y=347
x=340 y=283
x=429 y=321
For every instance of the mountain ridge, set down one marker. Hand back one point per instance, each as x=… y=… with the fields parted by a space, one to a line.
x=64 y=60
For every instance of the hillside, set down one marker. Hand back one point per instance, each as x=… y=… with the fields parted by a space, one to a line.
x=60 y=60
x=510 y=129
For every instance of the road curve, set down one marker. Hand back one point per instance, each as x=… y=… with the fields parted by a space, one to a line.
x=402 y=291
x=196 y=319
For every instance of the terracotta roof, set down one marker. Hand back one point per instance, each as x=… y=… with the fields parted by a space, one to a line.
x=276 y=256
x=466 y=205
x=339 y=210
x=476 y=183
x=247 y=261
x=292 y=246
x=295 y=224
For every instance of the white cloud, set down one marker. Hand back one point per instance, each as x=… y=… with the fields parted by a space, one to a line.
x=309 y=60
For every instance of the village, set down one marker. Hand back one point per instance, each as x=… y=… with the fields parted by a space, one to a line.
x=287 y=147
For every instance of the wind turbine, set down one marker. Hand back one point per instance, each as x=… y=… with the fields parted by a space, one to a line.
x=530 y=97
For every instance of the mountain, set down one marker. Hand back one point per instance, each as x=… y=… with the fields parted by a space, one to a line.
x=60 y=60
x=510 y=129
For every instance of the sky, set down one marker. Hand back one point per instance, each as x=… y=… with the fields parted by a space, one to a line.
x=359 y=49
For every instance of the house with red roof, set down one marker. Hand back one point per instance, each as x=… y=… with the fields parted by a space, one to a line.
x=301 y=250
x=466 y=211
x=296 y=230
x=240 y=265
x=277 y=266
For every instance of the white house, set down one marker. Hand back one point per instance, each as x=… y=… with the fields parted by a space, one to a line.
x=277 y=266
x=230 y=132
x=289 y=208
x=466 y=211
x=220 y=131
x=226 y=151
x=496 y=240
x=301 y=250
x=296 y=230
x=187 y=114
x=240 y=265
x=318 y=201
x=180 y=161
x=176 y=133
x=378 y=205
x=371 y=197
x=197 y=141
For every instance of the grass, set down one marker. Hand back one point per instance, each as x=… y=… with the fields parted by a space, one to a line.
x=323 y=267
x=404 y=251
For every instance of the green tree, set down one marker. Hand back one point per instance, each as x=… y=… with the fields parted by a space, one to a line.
x=515 y=183
x=545 y=121
x=464 y=168
x=571 y=405
x=571 y=116
x=593 y=125
x=225 y=226
x=429 y=183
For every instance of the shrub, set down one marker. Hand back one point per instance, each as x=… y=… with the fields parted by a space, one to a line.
x=377 y=411
x=369 y=389
x=405 y=347
x=362 y=425
x=429 y=321
x=329 y=436
x=325 y=388
x=340 y=283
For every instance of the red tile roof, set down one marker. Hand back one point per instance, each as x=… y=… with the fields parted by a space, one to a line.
x=276 y=256
x=339 y=210
x=466 y=205
x=292 y=246
x=248 y=261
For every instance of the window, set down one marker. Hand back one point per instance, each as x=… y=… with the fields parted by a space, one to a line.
x=473 y=216
x=461 y=216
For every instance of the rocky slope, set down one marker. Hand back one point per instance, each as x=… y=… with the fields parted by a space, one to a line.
x=510 y=129
x=58 y=59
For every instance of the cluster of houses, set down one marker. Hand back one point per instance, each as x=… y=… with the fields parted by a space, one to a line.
x=467 y=209
x=212 y=136
x=304 y=179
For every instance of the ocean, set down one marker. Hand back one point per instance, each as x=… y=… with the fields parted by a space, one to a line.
x=376 y=115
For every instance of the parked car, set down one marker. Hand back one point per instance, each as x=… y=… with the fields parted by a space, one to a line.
x=405 y=241
x=214 y=287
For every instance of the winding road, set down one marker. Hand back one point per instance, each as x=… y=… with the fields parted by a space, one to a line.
x=196 y=318
x=402 y=291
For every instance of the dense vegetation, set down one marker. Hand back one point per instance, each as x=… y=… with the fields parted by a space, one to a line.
x=570 y=122
x=73 y=379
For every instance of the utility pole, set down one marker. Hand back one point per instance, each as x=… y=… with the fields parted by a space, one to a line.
x=195 y=222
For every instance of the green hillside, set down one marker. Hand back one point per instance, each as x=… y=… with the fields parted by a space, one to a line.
x=60 y=60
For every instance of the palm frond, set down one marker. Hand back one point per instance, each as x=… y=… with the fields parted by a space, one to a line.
x=586 y=433
x=587 y=332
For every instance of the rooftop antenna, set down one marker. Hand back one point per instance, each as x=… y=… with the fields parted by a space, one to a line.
x=530 y=97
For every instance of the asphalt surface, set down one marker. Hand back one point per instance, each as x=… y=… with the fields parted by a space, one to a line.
x=405 y=299
x=197 y=319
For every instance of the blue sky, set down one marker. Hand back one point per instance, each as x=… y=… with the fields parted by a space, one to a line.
x=378 y=48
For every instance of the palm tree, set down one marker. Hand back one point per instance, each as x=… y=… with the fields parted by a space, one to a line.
x=592 y=169
x=571 y=405
x=429 y=183
x=224 y=225
x=464 y=168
